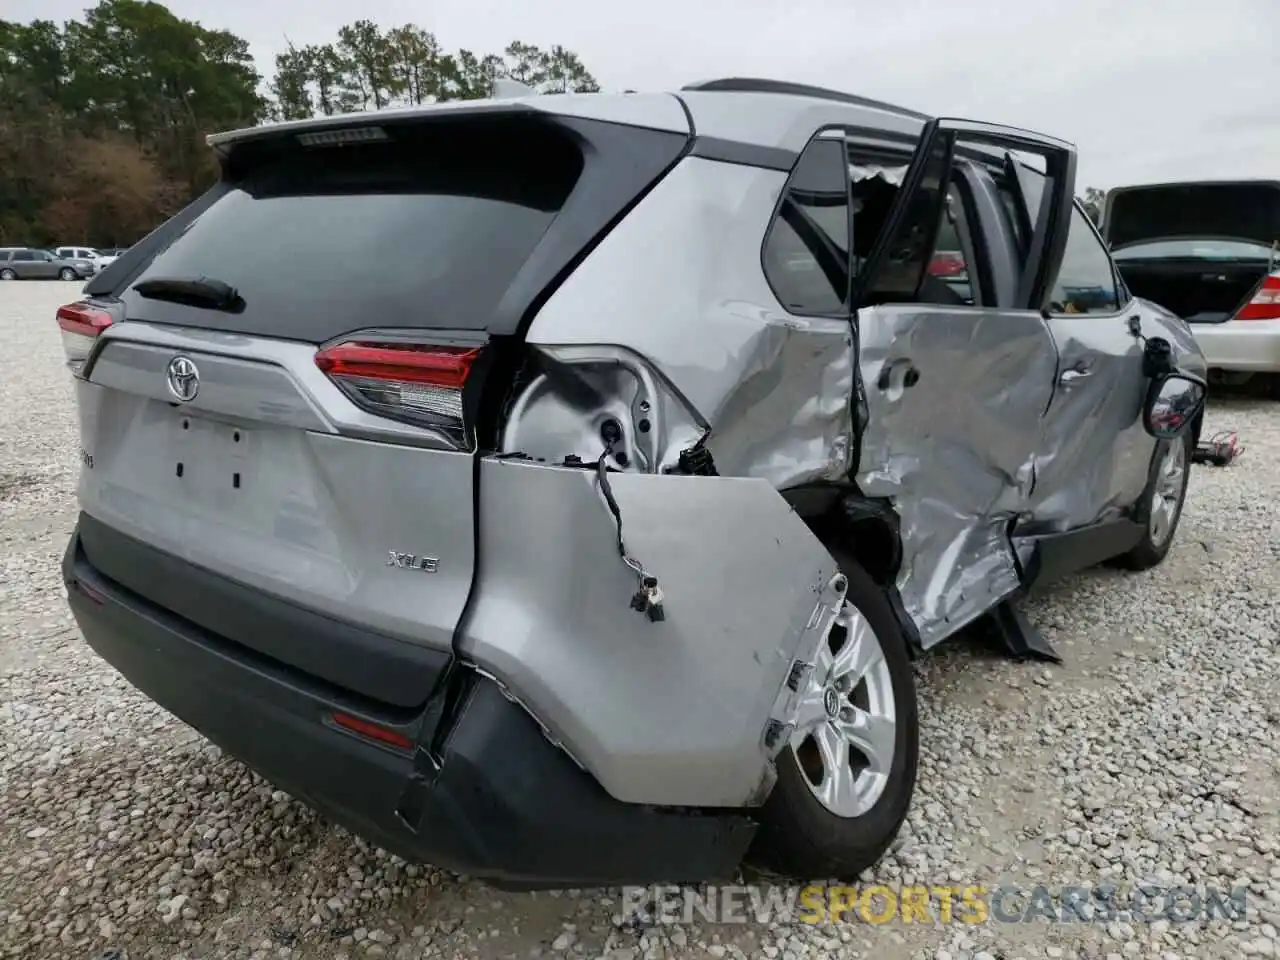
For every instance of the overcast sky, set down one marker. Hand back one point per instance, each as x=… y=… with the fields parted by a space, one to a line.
x=1147 y=89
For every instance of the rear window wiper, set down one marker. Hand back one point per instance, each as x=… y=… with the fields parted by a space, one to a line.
x=203 y=292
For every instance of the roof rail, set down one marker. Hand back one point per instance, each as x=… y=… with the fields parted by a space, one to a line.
x=756 y=85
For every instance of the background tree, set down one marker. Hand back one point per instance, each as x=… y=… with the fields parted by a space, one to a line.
x=368 y=69
x=475 y=75
x=103 y=119
x=565 y=73
x=365 y=53
x=420 y=71
x=290 y=87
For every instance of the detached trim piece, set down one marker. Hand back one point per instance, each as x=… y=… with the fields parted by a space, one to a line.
x=1057 y=555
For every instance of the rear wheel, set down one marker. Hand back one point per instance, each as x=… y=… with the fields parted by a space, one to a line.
x=1166 y=493
x=7 y=274
x=846 y=779
x=66 y=273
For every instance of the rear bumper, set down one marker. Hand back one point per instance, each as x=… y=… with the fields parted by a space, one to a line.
x=1246 y=345
x=500 y=802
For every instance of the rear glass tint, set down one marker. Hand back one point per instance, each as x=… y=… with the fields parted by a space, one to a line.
x=426 y=230
x=1195 y=249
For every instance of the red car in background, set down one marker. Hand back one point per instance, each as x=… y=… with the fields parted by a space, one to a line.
x=947 y=263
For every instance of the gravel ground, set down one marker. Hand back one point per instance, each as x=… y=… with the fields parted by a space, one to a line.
x=1150 y=756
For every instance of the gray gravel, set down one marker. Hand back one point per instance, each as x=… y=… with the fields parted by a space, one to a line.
x=1151 y=756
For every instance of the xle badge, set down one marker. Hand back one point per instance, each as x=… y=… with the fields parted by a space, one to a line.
x=411 y=561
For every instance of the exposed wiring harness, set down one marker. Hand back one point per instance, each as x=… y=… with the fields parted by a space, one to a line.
x=1219 y=450
x=648 y=596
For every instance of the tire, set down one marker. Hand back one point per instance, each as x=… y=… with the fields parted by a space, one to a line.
x=800 y=835
x=7 y=274
x=66 y=273
x=1162 y=524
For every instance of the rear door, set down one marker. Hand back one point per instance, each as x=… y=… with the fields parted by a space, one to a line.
x=293 y=389
x=957 y=376
x=1094 y=461
x=28 y=265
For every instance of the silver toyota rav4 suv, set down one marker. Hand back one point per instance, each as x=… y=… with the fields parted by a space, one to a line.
x=594 y=546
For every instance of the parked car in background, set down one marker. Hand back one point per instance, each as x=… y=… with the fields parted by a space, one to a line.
x=364 y=527
x=83 y=265
x=99 y=258
x=31 y=263
x=1210 y=252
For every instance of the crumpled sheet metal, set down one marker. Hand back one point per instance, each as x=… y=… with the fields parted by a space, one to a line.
x=1094 y=454
x=673 y=713
x=563 y=409
x=1077 y=464
x=951 y=452
x=774 y=388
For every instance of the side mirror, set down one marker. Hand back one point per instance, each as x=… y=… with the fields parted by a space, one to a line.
x=1173 y=402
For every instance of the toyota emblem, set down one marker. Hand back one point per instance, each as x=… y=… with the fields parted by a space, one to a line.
x=184 y=378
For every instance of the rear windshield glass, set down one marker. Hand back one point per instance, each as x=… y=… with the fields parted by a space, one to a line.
x=1195 y=249
x=426 y=229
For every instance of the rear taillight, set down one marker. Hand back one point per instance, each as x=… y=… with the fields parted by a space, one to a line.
x=81 y=325
x=422 y=384
x=1265 y=304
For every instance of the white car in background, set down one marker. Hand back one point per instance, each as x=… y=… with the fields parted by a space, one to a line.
x=96 y=257
x=1210 y=252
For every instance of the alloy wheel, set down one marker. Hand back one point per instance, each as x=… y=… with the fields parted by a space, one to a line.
x=1167 y=498
x=846 y=725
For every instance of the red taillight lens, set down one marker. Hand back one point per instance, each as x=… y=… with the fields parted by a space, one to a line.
x=421 y=384
x=1265 y=304
x=81 y=324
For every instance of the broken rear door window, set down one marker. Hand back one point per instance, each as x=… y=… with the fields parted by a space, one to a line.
x=902 y=273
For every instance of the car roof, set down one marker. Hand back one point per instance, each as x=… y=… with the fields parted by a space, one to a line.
x=744 y=109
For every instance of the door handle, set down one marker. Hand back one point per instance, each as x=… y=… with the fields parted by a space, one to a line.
x=1075 y=374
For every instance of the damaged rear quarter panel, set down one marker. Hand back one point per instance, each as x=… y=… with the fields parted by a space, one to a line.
x=679 y=286
x=669 y=329
x=669 y=713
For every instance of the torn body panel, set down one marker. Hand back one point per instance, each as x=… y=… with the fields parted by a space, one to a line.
x=702 y=321
x=747 y=589
x=954 y=402
x=578 y=390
